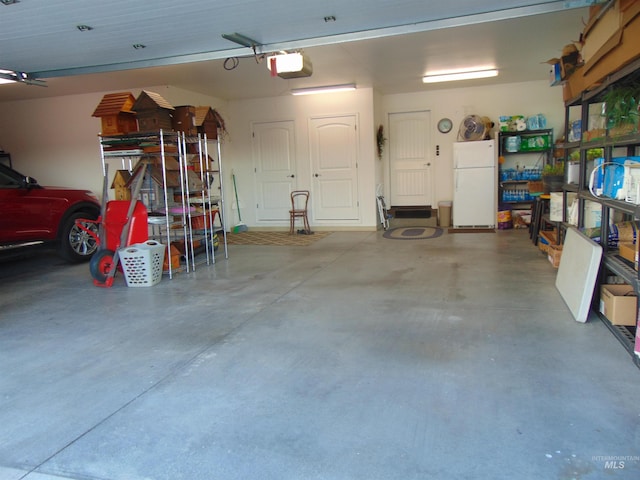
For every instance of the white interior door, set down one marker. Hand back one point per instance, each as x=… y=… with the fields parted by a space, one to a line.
x=333 y=143
x=273 y=146
x=410 y=173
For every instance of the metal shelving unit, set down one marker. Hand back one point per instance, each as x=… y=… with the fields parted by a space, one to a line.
x=611 y=264
x=520 y=184
x=212 y=205
x=181 y=188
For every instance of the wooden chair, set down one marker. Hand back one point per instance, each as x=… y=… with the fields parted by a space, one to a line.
x=299 y=203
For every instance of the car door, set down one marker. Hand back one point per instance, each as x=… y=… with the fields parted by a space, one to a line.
x=23 y=212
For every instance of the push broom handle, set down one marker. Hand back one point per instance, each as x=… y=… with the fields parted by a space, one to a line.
x=235 y=190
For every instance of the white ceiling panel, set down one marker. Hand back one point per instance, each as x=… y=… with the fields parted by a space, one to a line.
x=387 y=45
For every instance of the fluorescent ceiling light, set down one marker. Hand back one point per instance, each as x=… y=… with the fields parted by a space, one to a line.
x=328 y=89
x=449 y=77
x=9 y=76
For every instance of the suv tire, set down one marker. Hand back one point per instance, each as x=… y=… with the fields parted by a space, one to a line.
x=75 y=244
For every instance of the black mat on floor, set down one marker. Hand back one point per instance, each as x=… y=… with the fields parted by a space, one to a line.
x=412 y=233
x=410 y=212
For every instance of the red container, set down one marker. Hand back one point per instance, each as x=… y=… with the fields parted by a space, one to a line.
x=115 y=219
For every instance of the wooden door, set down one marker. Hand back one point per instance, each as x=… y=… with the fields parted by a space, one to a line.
x=333 y=146
x=273 y=147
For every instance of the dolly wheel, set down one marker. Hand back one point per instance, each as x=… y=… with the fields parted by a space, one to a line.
x=101 y=264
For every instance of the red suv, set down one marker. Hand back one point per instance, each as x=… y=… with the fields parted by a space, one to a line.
x=31 y=214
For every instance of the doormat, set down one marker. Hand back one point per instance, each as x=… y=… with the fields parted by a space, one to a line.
x=410 y=212
x=280 y=239
x=412 y=233
x=472 y=230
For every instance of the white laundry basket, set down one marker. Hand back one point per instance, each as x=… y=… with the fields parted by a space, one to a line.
x=142 y=263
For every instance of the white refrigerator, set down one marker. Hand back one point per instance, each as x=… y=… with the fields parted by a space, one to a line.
x=475 y=193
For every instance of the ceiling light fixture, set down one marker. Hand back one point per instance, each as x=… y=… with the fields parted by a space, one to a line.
x=84 y=28
x=9 y=76
x=328 y=89
x=8 y=2
x=139 y=46
x=465 y=75
x=290 y=65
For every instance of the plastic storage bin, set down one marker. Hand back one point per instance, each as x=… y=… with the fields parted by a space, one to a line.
x=142 y=263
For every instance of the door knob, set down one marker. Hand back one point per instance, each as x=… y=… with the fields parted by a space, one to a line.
x=316 y=175
x=291 y=176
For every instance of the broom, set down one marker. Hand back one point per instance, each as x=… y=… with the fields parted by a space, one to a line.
x=240 y=226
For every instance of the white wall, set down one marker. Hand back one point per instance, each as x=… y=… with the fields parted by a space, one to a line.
x=55 y=139
x=526 y=99
x=380 y=118
x=237 y=153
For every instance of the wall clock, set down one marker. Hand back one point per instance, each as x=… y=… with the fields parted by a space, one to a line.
x=445 y=125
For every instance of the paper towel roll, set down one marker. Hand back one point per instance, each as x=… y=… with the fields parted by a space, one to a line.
x=520 y=126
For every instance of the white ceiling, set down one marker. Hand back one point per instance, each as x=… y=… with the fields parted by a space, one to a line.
x=386 y=45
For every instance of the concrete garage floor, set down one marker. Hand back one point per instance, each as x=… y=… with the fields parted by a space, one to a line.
x=358 y=357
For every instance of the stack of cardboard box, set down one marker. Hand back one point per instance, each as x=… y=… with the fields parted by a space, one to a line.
x=610 y=40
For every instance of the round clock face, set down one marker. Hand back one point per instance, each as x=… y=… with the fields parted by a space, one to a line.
x=445 y=125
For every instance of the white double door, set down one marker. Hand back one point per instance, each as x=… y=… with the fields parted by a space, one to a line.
x=333 y=160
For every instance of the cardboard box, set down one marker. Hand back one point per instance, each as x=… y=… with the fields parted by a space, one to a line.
x=574 y=85
x=554 y=255
x=600 y=28
x=545 y=239
x=521 y=218
x=566 y=64
x=629 y=251
x=619 y=304
x=619 y=50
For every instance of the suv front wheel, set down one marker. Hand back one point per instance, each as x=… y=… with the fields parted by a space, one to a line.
x=76 y=245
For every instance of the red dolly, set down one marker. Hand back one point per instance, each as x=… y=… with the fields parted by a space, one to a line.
x=121 y=223
x=115 y=223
